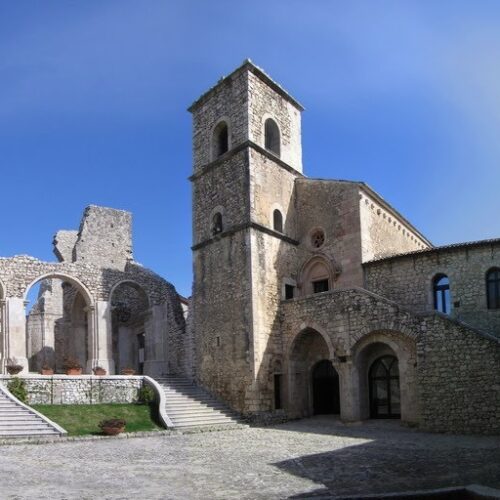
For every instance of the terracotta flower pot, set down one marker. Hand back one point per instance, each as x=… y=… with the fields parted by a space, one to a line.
x=112 y=431
x=128 y=371
x=99 y=371
x=47 y=371
x=74 y=371
x=14 y=370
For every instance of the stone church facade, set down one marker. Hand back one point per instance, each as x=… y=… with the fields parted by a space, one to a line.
x=316 y=296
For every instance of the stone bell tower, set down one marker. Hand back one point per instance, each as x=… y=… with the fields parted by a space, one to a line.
x=247 y=155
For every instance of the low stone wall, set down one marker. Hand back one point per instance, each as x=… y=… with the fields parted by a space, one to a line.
x=81 y=389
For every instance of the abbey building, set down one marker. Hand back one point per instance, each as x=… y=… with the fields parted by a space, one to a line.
x=316 y=296
x=310 y=296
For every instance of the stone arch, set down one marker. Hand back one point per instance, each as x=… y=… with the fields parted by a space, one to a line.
x=129 y=304
x=63 y=277
x=318 y=268
x=221 y=126
x=386 y=343
x=307 y=348
x=60 y=336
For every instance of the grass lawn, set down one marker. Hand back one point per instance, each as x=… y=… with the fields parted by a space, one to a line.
x=80 y=420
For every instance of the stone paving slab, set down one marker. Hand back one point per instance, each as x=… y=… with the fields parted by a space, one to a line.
x=313 y=458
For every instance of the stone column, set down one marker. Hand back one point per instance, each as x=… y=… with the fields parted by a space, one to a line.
x=15 y=331
x=3 y=340
x=154 y=328
x=349 y=391
x=100 y=337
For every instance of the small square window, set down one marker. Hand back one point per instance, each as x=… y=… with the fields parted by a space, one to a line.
x=289 y=291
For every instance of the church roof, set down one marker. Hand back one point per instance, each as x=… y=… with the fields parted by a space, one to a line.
x=451 y=246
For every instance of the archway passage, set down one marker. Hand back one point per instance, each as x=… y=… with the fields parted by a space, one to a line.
x=384 y=388
x=326 y=389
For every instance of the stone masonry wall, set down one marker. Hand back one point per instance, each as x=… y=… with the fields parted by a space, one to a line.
x=409 y=280
x=83 y=389
x=264 y=103
x=457 y=384
x=459 y=379
x=383 y=232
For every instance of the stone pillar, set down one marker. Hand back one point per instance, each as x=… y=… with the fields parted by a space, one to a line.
x=349 y=391
x=154 y=325
x=15 y=331
x=3 y=341
x=100 y=337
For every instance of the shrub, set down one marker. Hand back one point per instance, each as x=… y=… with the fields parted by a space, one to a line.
x=17 y=387
x=146 y=394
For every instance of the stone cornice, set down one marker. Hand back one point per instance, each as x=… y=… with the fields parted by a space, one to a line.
x=208 y=167
x=243 y=227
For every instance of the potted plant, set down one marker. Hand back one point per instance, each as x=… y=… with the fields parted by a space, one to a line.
x=112 y=426
x=47 y=370
x=128 y=371
x=13 y=367
x=99 y=370
x=72 y=366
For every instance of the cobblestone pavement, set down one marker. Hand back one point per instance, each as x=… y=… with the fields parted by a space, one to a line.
x=317 y=456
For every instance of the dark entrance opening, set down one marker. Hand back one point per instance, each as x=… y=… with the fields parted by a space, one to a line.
x=384 y=388
x=326 y=390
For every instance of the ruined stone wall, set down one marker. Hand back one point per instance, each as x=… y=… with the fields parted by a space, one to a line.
x=104 y=237
x=383 y=232
x=409 y=281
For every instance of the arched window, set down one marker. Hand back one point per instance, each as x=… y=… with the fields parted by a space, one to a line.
x=384 y=388
x=220 y=143
x=277 y=221
x=316 y=276
x=272 y=137
x=493 y=288
x=217 y=226
x=442 y=296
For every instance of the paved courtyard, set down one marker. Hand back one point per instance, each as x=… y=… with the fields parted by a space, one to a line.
x=314 y=457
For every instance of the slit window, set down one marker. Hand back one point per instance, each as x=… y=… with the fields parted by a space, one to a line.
x=220 y=140
x=217 y=226
x=277 y=221
x=278 y=380
x=289 y=292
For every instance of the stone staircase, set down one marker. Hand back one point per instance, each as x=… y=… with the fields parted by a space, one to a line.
x=18 y=420
x=188 y=405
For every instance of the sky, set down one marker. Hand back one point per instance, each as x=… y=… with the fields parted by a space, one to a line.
x=93 y=95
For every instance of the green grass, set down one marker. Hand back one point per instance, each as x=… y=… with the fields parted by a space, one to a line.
x=81 y=420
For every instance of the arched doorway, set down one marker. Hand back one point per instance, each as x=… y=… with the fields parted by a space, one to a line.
x=385 y=401
x=326 y=389
x=130 y=307
x=57 y=323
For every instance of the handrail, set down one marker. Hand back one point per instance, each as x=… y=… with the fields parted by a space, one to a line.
x=161 y=401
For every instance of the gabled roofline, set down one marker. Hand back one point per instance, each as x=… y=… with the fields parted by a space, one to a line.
x=371 y=192
x=260 y=73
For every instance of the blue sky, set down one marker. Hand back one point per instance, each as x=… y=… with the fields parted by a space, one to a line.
x=93 y=96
